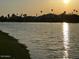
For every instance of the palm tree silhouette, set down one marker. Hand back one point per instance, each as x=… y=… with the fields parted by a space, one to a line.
x=75 y=11
x=51 y=10
x=8 y=15
x=36 y=14
x=25 y=15
x=41 y=11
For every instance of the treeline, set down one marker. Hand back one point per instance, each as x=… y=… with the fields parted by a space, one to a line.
x=43 y=18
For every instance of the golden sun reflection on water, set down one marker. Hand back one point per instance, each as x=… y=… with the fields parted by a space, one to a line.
x=66 y=39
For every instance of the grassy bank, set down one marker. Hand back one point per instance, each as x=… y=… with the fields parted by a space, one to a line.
x=10 y=48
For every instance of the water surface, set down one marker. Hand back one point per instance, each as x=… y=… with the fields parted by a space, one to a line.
x=47 y=40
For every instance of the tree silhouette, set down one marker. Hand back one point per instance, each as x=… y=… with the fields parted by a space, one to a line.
x=25 y=15
x=36 y=14
x=41 y=11
x=51 y=10
x=42 y=18
x=13 y=15
x=8 y=15
x=75 y=11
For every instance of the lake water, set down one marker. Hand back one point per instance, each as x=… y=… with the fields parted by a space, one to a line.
x=46 y=40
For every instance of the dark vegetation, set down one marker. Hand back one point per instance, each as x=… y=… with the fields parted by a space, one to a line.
x=63 y=17
x=10 y=48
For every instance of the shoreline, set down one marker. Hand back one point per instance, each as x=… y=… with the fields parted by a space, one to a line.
x=11 y=48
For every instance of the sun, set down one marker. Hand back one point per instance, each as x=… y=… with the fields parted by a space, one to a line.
x=66 y=1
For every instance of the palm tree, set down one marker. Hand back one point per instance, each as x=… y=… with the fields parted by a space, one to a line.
x=21 y=15
x=41 y=11
x=25 y=15
x=51 y=10
x=17 y=14
x=8 y=15
x=13 y=15
x=36 y=14
x=75 y=10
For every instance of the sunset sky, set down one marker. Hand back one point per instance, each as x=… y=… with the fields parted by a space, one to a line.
x=31 y=7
